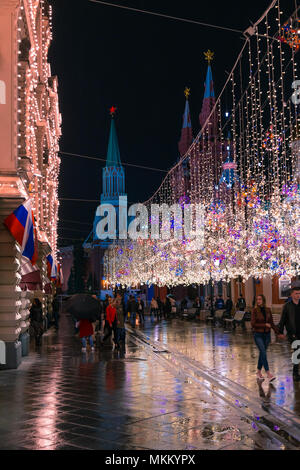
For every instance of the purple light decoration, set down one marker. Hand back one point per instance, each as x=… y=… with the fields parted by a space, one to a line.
x=184 y=200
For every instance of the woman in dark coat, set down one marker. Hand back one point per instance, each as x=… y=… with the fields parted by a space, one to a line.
x=262 y=322
x=37 y=320
x=167 y=308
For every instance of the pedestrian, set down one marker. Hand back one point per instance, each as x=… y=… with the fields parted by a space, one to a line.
x=167 y=308
x=183 y=304
x=110 y=323
x=229 y=306
x=262 y=322
x=120 y=298
x=55 y=310
x=219 y=305
x=106 y=302
x=173 y=306
x=132 y=310
x=154 y=308
x=140 y=309
x=241 y=303
x=86 y=331
x=290 y=319
x=99 y=316
x=98 y=323
x=207 y=303
x=228 y=310
x=120 y=325
x=160 y=307
x=197 y=306
x=37 y=320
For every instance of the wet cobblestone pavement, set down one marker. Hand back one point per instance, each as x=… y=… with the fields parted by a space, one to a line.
x=60 y=398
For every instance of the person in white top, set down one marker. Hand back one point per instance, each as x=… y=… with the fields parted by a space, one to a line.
x=154 y=307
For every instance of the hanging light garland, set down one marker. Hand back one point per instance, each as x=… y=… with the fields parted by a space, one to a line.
x=251 y=225
x=39 y=120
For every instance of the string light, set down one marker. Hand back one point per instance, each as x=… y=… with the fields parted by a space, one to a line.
x=39 y=118
x=252 y=224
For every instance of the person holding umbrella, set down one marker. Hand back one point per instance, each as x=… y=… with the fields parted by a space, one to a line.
x=85 y=309
x=86 y=331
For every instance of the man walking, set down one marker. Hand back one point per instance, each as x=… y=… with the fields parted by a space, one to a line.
x=241 y=303
x=132 y=309
x=290 y=319
x=120 y=325
x=141 y=308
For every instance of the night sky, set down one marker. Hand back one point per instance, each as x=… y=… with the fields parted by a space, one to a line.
x=106 y=56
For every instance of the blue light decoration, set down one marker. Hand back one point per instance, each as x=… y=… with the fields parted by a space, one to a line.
x=179 y=272
x=274 y=265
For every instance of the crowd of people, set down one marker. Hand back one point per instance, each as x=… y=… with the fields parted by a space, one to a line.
x=114 y=313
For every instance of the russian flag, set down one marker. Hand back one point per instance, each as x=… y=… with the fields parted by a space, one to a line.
x=54 y=272
x=49 y=265
x=21 y=225
x=51 y=268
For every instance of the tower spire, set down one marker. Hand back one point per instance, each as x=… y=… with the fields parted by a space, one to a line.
x=113 y=153
x=113 y=173
x=209 y=99
x=186 y=131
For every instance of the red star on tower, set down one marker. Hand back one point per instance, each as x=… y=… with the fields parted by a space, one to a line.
x=112 y=111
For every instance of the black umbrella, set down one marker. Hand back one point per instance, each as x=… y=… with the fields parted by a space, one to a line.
x=84 y=307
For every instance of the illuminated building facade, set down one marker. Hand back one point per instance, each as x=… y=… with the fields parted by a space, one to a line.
x=30 y=128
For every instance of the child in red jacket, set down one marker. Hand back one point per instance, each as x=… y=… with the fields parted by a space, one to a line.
x=86 y=330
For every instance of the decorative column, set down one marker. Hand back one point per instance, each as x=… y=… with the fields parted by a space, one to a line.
x=26 y=302
x=233 y=296
x=12 y=192
x=249 y=292
x=10 y=292
x=267 y=289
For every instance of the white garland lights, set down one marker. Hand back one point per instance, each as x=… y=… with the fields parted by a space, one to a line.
x=39 y=125
x=249 y=185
